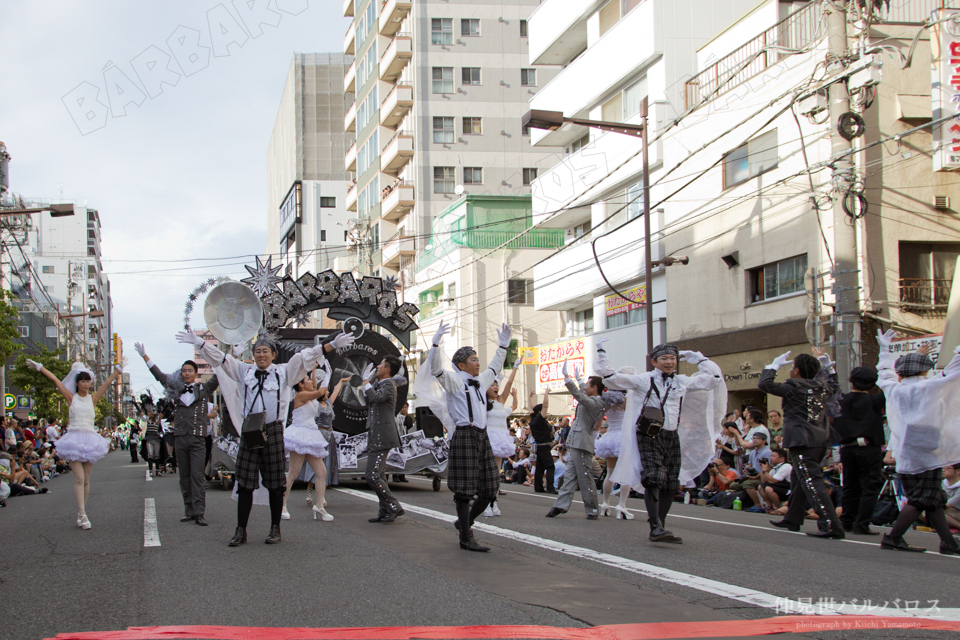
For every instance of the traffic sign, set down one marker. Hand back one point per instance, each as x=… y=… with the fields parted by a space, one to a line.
x=24 y=402
x=9 y=401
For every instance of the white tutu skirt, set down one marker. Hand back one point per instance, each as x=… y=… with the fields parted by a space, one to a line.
x=501 y=442
x=82 y=446
x=608 y=446
x=305 y=441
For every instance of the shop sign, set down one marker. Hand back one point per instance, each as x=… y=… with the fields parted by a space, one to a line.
x=635 y=299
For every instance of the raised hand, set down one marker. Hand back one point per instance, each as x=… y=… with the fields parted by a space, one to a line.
x=368 y=372
x=693 y=357
x=503 y=335
x=885 y=339
x=189 y=337
x=343 y=340
x=563 y=369
x=600 y=342
x=139 y=348
x=442 y=330
x=517 y=362
x=34 y=364
x=781 y=360
x=123 y=364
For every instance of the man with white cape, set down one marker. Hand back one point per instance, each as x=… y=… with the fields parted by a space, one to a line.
x=692 y=409
x=923 y=413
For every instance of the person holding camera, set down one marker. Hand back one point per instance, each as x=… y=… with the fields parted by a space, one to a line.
x=676 y=418
x=721 y=477
x=750 y=482
x=775 y=477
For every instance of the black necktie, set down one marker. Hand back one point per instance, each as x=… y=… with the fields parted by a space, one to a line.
x=474 y=383
x=667 y=376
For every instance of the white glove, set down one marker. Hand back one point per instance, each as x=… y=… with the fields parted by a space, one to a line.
x=503 y=335
x=885 y=339
x=600 y=342
x=343 y=340
x=563 y=369
x=516 y=363
x=368 y=372
x=34 y=364
x=442 y=330
x=189 y=337
x=826 y=363
x=693 y=357
x=780 y=361
x=141 y=351
x=123 y=364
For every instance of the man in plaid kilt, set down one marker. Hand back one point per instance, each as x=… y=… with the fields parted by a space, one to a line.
x=472 y=473
x=263 y=388
x=924 y=418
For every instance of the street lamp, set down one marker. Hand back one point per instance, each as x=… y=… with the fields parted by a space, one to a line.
x=553 y=120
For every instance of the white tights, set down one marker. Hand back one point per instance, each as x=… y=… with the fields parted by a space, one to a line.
x=608 y=485
x=81 y=483
x=296 y=463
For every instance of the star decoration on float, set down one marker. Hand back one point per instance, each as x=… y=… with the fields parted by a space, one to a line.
x=302 y=318
x=390 y=283
x=263 y=279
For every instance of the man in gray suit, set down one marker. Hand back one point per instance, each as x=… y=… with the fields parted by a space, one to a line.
x=190 y=417
x=382 y=435
x=580 y=445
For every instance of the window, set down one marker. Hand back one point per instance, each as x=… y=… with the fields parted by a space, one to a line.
x=609 y=16
x=633 y=98
x=580 y=144
x=470 y=27
x=520 y=292
x=528 y=77
x=328 y=202
x=778 y=279
x=443 y=180
x=443 y=79
x=612 y=109
x=633 y=316
x=369 y=151
x=452 y=291
x=323 y=235
x=529 y=175
x=751 y=159
x=47 y=269
x=24 y=331
x=926 y=272
x=472 y=175
x=443 y=130
x=634 y=197
x=471 y=126
x=470 y=75
x=581 y=324
x=523 y=28
x=441 y=31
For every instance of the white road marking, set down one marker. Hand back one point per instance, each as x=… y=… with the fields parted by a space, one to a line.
x=151 y=534
x=149 y=477
x=715 y=587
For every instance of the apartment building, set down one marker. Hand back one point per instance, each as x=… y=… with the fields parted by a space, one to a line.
x=440 y=90
x=307 y=220
x=614 y=55
x=756 y=222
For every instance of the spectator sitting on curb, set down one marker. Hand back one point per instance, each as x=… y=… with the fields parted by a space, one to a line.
x=775 y=478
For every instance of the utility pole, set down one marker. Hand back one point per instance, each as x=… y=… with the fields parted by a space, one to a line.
x=647 y=249
x=846 y=280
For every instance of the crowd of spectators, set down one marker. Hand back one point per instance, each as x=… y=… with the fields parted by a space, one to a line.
x=29 y=457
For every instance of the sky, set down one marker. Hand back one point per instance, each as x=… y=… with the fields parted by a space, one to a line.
x=179 y=178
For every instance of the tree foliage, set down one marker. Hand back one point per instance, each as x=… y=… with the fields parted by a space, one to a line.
x=9 y=321
x=47 y=401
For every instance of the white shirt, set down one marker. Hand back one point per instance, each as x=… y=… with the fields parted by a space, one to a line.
x=781 y=472
x=757 y=429
x=52 y=433
x=459 y=392
x=210 y=425
x=11 y=436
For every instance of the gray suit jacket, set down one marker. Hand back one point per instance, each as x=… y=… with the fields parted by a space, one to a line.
x=381 y=421
x=190 y=419
x=588 y=412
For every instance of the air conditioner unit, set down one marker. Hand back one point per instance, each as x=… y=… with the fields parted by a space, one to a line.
x=941 y=202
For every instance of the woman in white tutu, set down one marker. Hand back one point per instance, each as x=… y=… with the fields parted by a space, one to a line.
x=304 y=440
x=501 y=441
x=81 y=445
x=608 y=447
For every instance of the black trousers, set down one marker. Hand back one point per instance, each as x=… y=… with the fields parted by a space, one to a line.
x=544 y=464
x=806 y=481
x=190 y=451
x=133 y=453
x=862 y=481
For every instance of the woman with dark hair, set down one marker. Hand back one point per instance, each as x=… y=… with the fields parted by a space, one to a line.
x=303 y=440
x=81 y=444
x=501 y=442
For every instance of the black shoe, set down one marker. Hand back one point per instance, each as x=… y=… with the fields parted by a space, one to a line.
x=393 y=515
x=400 y=479
x=836 y=534
x=783 y=524
x=239 y=537
x=274 y=537
x=847 y=527
x=948 y=549
x=676 y=540
x=862 y=531
x=553 y=491
x=200 y=521
x=659 y=534
x=470 y=543
x=898 y=544
x=535 y=490
x=554 y=512
x=380 y=517
x=187 y=518
x=592 y=516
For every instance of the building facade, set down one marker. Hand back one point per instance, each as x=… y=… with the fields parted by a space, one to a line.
x=307 y=221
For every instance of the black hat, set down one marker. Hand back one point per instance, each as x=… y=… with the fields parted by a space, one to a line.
x=866 y=375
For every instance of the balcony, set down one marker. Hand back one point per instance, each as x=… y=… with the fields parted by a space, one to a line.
x=923 y=296
x=396 y=105
x=350 y=160
x=396 y=57
x=392 y=14
x=396 y=200
x=351 y=198
x=350 y=79
x=347 y=8
x=350 y=120
x=345 y=263
x=396 y=247
x=558 y=30
x=349 y=40
x=397 y=153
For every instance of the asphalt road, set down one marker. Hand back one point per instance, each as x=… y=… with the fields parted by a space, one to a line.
x=562 y=572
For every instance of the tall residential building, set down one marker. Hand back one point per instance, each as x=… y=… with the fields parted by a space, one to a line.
x=440 y=91
x=614 y=55
x=307 y=221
